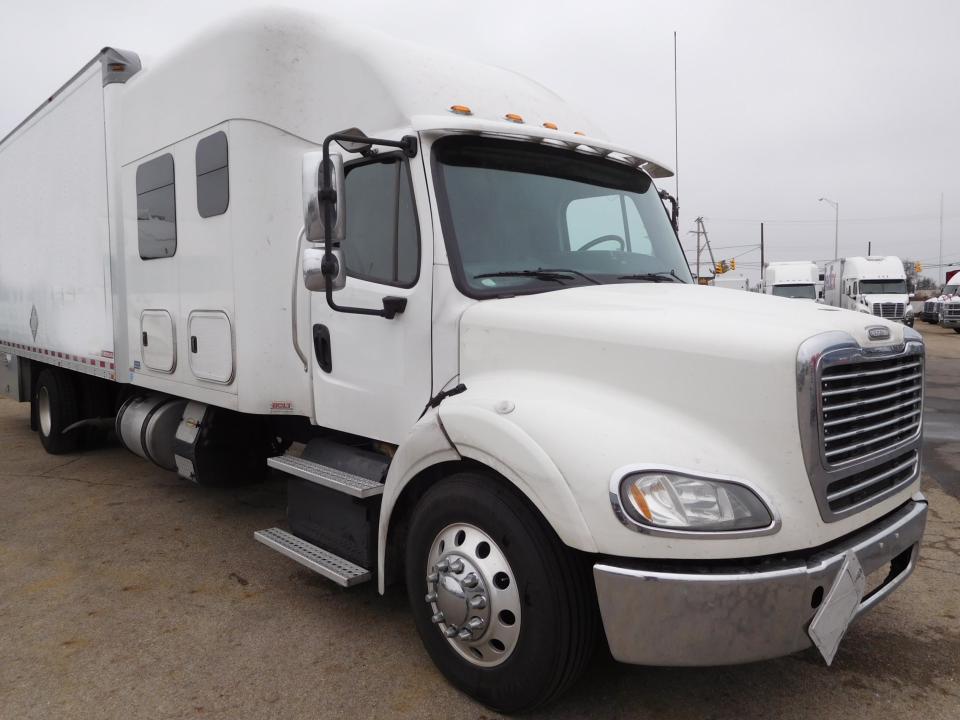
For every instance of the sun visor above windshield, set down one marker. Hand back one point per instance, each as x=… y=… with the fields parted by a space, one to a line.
x=579 y=143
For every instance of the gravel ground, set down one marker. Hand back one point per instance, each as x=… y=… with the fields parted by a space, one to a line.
x=128 y=593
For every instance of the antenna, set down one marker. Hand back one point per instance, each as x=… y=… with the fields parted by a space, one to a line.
x=676 y=124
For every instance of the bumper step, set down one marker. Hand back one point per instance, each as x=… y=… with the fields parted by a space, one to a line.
x=333 y=567
x=344 y=482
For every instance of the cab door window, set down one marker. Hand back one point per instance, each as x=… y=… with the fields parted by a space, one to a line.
x=383 y=239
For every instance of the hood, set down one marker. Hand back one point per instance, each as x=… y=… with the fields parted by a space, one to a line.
x=663 y=317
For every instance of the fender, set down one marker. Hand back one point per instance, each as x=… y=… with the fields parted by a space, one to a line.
x=425 y=446
x=477 y=431
x=482 y=433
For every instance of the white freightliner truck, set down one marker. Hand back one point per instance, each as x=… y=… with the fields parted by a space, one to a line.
x=947 y=304
x=876 y=285
x=477 y=324
x=794 y=279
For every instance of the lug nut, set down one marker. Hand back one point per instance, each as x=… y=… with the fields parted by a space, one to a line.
x=465 y=635
x=431 y=597
x=450 y=631
x=478 y=602
x=433 y=577
x=470 y=580
x=475 y=623
x=443 y=565
x=456 y=566
x=437 y=618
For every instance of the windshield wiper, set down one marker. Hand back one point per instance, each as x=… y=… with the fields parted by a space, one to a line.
x=662 y=276
x=551 y=275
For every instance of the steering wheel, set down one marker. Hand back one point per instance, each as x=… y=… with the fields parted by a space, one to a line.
x=602 y=239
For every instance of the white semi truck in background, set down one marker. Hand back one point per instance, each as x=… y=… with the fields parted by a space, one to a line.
x=876 y=285
x=795 y=279
x=947 y=307
x=474 y=319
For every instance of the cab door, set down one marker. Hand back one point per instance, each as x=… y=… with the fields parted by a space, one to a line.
x=372 y=376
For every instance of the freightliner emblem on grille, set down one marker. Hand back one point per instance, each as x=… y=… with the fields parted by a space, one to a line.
x=878 y=332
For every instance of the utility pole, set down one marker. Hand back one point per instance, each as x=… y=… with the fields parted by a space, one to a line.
x=698 y=250
x=761 y=254
x=942 y=268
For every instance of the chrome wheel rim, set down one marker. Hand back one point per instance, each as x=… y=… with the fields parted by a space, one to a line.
x=472 y=594
x=43 y=411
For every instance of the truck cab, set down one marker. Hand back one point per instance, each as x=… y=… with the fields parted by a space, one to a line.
x=947 y=304
x=792 y=280
x=875 y=285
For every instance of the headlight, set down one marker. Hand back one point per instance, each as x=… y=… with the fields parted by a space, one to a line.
x=909 y=311
x=674 y=501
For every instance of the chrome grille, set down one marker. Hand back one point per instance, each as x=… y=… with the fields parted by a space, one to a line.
x=951 y=309
x=888 y=310
x=930 y=307
x=860 y=419
x=867 y=407
x=862 y=486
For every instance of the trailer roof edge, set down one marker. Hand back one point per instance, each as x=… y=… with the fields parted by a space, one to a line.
x=117 y=66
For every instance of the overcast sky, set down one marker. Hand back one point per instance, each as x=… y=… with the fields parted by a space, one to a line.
x=780 y=103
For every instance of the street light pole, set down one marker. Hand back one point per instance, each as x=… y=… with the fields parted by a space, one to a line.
x=836 y=225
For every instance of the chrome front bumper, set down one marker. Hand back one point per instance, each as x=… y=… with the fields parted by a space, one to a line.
x=699 y=616
x=950 y=321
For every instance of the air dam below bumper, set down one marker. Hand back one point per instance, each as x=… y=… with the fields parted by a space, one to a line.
x=700 y=616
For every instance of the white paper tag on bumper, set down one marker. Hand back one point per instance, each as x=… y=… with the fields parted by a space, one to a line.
x=839 y=606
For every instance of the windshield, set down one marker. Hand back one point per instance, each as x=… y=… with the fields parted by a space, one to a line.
x=807 y=292
x=951 y=289
x=883 y=287
x=520 y=217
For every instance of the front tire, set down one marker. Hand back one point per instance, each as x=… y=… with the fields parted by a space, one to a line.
x=56 y=408
x=505 y=610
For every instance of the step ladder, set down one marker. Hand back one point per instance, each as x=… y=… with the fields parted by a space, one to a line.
x=342 y=572
x=345 y=482
x=321 y=561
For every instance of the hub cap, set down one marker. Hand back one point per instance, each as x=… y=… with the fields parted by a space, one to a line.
x=473 y=595
x=43 y=411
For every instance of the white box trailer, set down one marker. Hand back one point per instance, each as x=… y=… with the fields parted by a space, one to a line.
x=792 y=279
x=876 y=285
x=475 y=317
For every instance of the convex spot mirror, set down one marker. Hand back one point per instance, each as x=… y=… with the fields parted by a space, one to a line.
x=313 y=276
x=313 y=211
x=363 y=148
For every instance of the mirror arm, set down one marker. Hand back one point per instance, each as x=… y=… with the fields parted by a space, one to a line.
x=392 y=306
x=674 y=210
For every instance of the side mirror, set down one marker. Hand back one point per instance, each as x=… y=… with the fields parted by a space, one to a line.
x=313 y=216
x=313 y=276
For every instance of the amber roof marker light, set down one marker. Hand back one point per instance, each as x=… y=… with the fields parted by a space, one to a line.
x=460 y=110
x=513 y=117
x=550 y=126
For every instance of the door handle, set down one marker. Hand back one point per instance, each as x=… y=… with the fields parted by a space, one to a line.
x=321 y=346
x=193 y=344
x=143 y=338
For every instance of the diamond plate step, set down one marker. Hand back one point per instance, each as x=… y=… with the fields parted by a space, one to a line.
x=332 y=478
x=333 y=567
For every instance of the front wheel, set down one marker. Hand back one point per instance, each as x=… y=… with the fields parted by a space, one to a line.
x=506 y=612
x=956 y=330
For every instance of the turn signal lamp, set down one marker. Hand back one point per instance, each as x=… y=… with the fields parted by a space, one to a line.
x=550 y=126
x=513 y=117
x=460 y=110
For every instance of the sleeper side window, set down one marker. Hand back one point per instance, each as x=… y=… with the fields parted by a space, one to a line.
x=213 y=179
x=383 y=239
x=156 y=209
